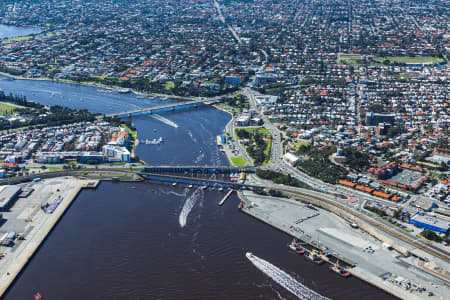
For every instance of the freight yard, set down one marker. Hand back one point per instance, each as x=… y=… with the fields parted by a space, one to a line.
x=32 y=211
x=374 y=261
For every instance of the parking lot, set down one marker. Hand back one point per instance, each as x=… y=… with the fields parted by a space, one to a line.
x=407 y=177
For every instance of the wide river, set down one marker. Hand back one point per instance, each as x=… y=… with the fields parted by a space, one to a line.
x=146 y=241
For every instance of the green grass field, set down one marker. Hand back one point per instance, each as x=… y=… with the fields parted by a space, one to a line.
x=6 y=109
x=238 y=161
x=299 y=144
x=408 y=59
x=169 y=85
x=349 y=58
x=267 y=152
x=260 y=130
x=20 y=38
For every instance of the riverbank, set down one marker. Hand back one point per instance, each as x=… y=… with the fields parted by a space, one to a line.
x=106 y=87
x=27 y=215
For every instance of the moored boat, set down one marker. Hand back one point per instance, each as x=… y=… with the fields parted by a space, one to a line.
x=336 y=268
x=297 y=250
x=313 y=257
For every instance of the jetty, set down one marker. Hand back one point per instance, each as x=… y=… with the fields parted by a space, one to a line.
x=221 y=202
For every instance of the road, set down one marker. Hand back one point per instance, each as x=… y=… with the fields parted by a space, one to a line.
x=222 y=18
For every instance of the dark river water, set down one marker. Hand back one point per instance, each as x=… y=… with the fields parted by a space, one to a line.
x=9 y=31
x=146 y=241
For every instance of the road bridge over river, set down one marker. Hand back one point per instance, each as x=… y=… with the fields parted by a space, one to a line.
x=179 y=106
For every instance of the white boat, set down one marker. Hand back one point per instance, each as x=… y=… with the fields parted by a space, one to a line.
x=250 y=256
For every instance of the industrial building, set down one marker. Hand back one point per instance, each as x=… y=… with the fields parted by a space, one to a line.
x=431 y=223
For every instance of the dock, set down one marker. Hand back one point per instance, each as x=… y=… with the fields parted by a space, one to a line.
x=221 y=202
x=39 y=225
x=364 y=255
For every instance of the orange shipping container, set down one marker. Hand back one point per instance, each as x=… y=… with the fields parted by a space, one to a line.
x=382 y=195
x=347 y=183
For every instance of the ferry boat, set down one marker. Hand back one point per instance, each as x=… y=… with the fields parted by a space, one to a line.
x=314 y=258
x=336 y=268
x=295 y=249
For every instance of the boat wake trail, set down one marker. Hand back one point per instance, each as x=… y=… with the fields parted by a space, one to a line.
x=175 y=193
x=284 y=279
x=165 y=121
x=189 y=205
x=192 y=136
x=199 y=158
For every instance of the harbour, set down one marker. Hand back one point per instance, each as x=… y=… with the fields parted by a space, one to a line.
x=326 y=238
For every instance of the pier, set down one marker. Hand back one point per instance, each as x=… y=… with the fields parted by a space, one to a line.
x=179 y=106
x=221 y=202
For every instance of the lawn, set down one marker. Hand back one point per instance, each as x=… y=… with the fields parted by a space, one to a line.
x=349 y=58
x=262 y=130
x=305 y=144
x=267 y=152
x=20 y=38
x=238 y=161
x=169 y=85
x=409 y=59
x=132 y=132
x=6 y=109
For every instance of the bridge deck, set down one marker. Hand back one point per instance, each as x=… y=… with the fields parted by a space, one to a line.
x=155 y=109
x=198 y=169
x=202 y=182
